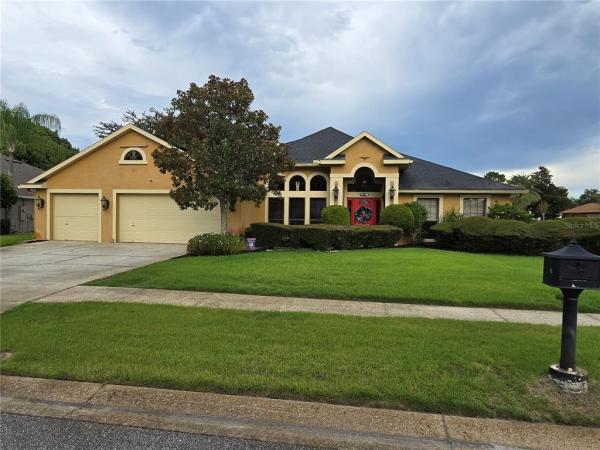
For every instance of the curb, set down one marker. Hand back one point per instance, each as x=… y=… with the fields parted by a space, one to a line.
x=285 y=421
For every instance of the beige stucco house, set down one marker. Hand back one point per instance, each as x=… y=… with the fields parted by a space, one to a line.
x=112 y=191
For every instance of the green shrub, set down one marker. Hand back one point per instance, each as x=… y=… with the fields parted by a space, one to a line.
x=508 y=211
x=420 y=214
x=335 y=215
x=325 y=237
x=485 y=235
x=400 y=216
x=213 y=244
x=452 y=215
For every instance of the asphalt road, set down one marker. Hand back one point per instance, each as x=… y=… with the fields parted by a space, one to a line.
x=27 y=432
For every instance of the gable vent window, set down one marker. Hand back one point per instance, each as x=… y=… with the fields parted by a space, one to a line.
x=133 y=155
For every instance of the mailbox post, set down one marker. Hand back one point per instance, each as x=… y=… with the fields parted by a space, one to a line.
x=572 y=269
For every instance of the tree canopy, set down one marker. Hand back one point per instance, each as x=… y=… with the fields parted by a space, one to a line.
x=223 y=150
x=8 y=194
x=34 y=138
x=495 y=176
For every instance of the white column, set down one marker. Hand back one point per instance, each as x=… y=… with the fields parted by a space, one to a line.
x=306 y=210
x=286 y=210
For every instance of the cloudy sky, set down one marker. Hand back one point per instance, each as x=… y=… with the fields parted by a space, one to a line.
x=478 y=86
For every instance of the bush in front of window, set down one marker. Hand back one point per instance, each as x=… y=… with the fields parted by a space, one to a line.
x=509 y=212
x=420 y=214
x=335 y=215
x=325 y=237
x=215 y=244
x=400 y=216
x=486 y=235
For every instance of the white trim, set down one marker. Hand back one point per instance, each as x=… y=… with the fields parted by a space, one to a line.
x=440 y=203
x=463 y=191
x=128 y=191
x=32 y=186
x=122 y=160
x=312 y=164
x=397 y=162
x=49 y=194
x=488 y=201
x=330 y=162
x=366 y=135
x=95 y=146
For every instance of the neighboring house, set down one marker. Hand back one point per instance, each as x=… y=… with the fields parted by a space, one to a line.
x=587 y=210
x=113 y=192
x=21 y=213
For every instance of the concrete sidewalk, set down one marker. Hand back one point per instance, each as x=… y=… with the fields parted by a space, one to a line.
x=295 y=422
x=344 y=307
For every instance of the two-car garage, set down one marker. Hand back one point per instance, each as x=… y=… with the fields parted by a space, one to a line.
x=137 y=217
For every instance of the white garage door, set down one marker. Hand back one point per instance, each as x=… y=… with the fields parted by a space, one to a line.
x=75 y=217
x=157 y=218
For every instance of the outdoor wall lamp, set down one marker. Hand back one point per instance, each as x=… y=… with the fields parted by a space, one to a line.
x=336 y=192
x=104 y=202
x=571 y=269
x=41 y=203
x=392 y=192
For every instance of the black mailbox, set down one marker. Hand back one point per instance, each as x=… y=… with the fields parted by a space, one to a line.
x=572 y=267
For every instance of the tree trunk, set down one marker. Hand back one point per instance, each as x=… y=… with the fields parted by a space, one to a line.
x=224 y=210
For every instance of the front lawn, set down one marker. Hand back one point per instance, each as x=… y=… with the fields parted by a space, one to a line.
x=468 y=368
x=408 y=275
x=13 y=239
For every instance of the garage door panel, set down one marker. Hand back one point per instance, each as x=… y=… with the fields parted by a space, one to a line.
x=75 y=217
x=157 y=218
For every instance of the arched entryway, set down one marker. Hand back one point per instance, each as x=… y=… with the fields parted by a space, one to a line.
x=364 y=197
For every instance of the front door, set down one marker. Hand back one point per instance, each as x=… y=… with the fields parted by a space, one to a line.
x=363 y=211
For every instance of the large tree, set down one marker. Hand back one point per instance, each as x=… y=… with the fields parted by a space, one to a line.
x=223 y=150
x=588 y=196
x=554 y=199
x=495 y=176
x=33 y=138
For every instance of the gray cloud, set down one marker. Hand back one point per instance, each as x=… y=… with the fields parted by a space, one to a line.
x=474 y=85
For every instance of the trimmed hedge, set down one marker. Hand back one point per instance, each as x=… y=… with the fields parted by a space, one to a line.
x=400 y=216
x=325 y=237
x=335 y=215
x=214 y=244
x=485 y=235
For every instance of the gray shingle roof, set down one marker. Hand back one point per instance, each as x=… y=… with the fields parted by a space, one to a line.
x=421 y=174
x=317 y=145
x=22 y=173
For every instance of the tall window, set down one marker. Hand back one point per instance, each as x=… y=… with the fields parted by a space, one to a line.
x=316 y=205
x=297 y=183
x=318 y=183
x=474 y=207
x=296 y=212
x=432 y=205
x=275 y=210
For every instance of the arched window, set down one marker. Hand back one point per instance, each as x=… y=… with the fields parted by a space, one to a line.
x=277 y=186
x=297 y=183
x=133 y=155
x=318 y=183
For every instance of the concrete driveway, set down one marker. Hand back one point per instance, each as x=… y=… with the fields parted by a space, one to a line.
x=31 y=271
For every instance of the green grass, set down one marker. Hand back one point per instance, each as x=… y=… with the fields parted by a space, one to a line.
x=409 y=275
x=468 y=368
x=13 y=239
